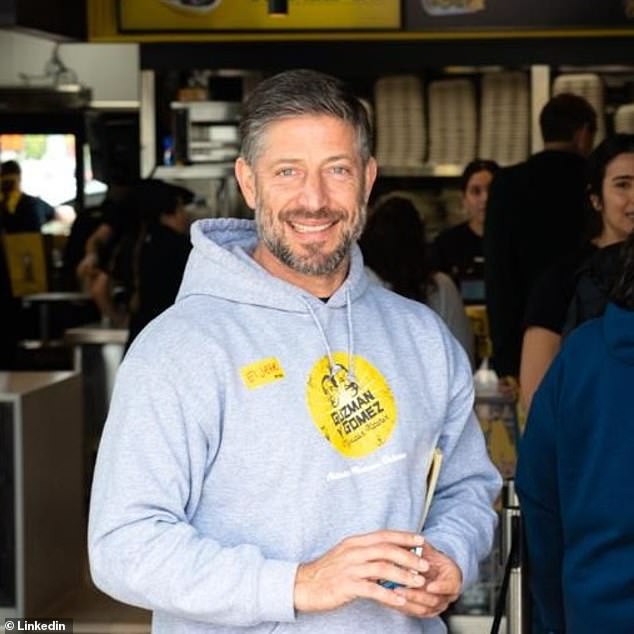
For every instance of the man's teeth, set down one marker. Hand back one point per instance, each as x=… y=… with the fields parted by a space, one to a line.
x=310 y=228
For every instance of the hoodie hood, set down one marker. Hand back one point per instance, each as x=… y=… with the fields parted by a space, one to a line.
x=227 y=243
x=618 y=330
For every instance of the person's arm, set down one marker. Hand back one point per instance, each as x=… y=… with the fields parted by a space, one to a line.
x=143 y=547
x=45 y=212
x=538 y=490
x=539 y=347
x=543 y=322
x=88 y=264
x=99 y=287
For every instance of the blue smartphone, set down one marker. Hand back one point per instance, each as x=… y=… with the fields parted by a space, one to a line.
x=390 y=585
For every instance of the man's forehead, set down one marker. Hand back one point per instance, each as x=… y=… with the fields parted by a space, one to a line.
x=309 y=133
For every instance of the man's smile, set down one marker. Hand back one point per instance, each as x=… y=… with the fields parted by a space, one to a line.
x=301 y=227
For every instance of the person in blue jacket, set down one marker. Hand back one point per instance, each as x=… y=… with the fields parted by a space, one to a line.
x=264 y=460
x=574 y=475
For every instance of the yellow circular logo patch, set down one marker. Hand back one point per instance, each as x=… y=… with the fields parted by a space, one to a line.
x=354 y=410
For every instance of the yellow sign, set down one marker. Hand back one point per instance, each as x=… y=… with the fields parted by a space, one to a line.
x=26 y=263
x=353 y=408
x=261 y=372
x=252 y=15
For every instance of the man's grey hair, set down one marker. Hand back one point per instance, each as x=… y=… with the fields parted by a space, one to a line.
x=300 y=92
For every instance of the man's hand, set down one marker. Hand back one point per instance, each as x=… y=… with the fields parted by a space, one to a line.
x=443 y=586
x=352 y=568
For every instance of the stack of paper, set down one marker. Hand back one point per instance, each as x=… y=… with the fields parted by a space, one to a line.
x=504 y=117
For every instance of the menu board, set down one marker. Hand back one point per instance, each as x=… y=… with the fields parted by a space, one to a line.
x=252 y=15
x=439 y=15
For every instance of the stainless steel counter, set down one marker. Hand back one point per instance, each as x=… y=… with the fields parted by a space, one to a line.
x=42 y=522
x=47 y=302
x=97 y=353
x=98 y=334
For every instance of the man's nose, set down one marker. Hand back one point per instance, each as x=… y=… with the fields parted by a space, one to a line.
x=314 y=192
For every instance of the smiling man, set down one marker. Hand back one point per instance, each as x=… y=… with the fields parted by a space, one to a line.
x=264 y=461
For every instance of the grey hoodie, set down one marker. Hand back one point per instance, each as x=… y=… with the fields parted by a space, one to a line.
x=253 y=427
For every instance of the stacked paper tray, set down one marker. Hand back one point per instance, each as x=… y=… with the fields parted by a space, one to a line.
x=504 y=117
x=624 y=119
x=399 y=121
x=590 y=87
x=452 y=121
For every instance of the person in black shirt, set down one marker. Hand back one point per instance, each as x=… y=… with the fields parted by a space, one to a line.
x=458 y=251
x=535 y=213
x=160 y=252
x=19 y=212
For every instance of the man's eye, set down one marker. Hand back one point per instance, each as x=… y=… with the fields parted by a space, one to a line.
x=286 y=171
x=340 y=170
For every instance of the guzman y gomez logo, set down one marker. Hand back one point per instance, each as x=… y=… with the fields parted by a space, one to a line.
x=355 y=411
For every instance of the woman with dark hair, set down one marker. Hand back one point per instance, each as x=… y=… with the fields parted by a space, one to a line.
x=610 y=178
x=394 y=247
x=458 y=251
x=574 y=474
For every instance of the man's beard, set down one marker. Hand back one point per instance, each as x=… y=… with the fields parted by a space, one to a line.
x=310 y=261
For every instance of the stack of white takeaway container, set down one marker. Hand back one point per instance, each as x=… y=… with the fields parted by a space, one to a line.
x=399 y=121
x=452 y=121
x=624 y=119
x=504 y=117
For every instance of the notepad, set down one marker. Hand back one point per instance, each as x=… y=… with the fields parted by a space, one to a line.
x=432 y=480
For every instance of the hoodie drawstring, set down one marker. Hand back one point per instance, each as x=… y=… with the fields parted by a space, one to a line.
x=331 y=360
x=350 y=336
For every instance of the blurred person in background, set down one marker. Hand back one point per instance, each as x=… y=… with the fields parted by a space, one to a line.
x=159 y=253
x=20 y=212
x=94 y=243
x=94 y=231
x=394 y=247
x=610 y=196
x=106 y=269
x=459 y=250
x=574 y=475
x=535 y=213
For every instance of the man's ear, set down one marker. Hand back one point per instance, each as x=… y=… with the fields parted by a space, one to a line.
x=370 y=176
x=246 y=181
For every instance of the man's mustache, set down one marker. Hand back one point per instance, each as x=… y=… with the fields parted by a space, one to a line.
x=297 y=215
